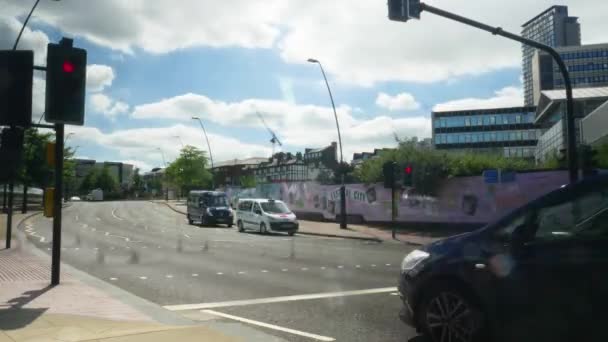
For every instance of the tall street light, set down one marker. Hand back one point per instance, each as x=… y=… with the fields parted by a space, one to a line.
x=342 y=187
x=25 y=23
x=166 y=176
x=208 y=147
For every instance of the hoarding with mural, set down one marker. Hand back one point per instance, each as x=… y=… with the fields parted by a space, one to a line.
x=460 y=199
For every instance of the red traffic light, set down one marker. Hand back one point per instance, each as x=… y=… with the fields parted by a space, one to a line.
x=68 y=67
x=408 y=170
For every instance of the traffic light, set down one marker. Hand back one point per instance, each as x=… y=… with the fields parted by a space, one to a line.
x=388 y=170
x=66 y=72
x=408 y=175
x=16 y=75
x=403 y=10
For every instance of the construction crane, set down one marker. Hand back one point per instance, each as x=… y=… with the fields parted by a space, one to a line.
x=274 y=140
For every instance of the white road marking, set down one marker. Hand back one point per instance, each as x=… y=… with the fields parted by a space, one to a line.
x=42 y=239
x=270 y=326
x=373 y=265
x=144 y=247
x=340 y=266
x=323 y=267
x=285 y=270
x=195 y=274
x=77 y=249
x=202 y=306
x=304 y=269
x=116 y=217
x=169 y=276
x=264 y=271
x=394 y=293
x=186 y=235
x=97 y=218
x=143 y=278
x=241 y=272
x=76 y=218
x=107 y=233
x=219 y=273
x=84 y=225
x=388 y=264
x=113 y=279
x=358 y=266
x=93 y=229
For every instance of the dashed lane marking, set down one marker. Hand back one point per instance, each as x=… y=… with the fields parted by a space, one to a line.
x=219 y=273
x=214 y=305
x=195 y=274
x=113 y=279
x=264 y=271
x=143 y=277
x=97 y=218
x=169 y=276
x=186 y=235
x=270 y=326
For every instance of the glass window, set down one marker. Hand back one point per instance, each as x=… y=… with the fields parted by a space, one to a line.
x=517 y=118
x=486 y=137
x=500 y=136
x=525 y=135
x=492 y=136
x=492 y=120
x=437 y=139
x=451 y=138
x=505 y=119
x=467 y=122
x=475 y=137
x=467 y=138
x=486 y=120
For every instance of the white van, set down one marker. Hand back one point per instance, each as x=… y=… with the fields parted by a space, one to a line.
x=265 y=216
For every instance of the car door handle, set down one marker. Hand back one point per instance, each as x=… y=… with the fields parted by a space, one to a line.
x=480 y=266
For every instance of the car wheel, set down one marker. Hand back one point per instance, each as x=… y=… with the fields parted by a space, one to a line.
x=448 y=314
x=204 y=221
x=190 y=221
x=229 y=225
x=240 y=225
x=263 y=229
x=291 y=233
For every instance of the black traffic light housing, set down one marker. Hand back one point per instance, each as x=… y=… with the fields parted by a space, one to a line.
x=11 y=152
x=403 y=10
x=389 y=169
x=408 y=175
x=16 y=76
x=66 y=72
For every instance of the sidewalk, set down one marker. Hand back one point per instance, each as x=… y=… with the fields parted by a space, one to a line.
x=75 y=310
x=332 y=229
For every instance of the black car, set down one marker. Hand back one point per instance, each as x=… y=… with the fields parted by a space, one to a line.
x=208 y=207
x=539 y=273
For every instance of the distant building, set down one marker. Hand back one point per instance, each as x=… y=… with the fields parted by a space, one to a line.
x=510 y=132
x=230 y=172
x=287 y=167
x=587 y=66
x=360 y=158
x=551 y=112
x=552 y=27
x=121 y=172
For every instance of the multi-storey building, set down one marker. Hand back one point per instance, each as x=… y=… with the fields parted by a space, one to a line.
x=552 y=27
x=510 y=132
x=587 y=66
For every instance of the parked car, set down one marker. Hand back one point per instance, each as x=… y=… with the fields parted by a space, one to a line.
x=95 y=195
x=265 y=216
x=539 y=273
x=74 y=198
x=208 y=207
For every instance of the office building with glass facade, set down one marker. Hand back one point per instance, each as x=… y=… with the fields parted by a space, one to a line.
x=550 y=116
x=552 y=27
x=587 y=66
x=507 y=131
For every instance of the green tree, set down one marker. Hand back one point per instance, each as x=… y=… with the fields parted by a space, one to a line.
x=105 y=181
x=138 y=182
x=89 y=181
x=35 y=171
x=247 y=181
x=189 y=170
x=601 y=158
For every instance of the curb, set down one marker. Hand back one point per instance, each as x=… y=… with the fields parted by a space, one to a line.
x=170 y=207
x=341 y=236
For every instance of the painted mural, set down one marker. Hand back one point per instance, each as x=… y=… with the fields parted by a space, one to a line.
x=461 y=199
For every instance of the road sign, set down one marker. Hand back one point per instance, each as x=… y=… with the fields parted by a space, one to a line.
x=16 y=75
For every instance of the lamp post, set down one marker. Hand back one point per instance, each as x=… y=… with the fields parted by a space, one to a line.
x=166 y=176
x=403 y=10
x=25 y=24
x=342 y=187
x=208 y=147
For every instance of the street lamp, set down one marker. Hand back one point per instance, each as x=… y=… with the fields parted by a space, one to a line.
x=208 y=147
x=166 y=177
x=342 y=187
x=25 y=23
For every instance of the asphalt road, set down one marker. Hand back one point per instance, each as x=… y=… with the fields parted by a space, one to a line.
x=329 y=288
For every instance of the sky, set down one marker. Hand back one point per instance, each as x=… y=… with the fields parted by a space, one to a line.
x=154 y=64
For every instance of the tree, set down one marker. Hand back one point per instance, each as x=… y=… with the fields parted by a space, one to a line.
x=247 y=181
x=89 y=181
x=138 y=182
x=189 y=170
x=105 y=181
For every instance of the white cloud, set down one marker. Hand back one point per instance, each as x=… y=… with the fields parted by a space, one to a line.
x=505 y=97
x=297 y=126
x=402 y=101
x=107 y=106
x=354 y=39
x=140 y=144
x=99 y=76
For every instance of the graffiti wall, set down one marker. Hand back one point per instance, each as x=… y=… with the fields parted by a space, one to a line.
x=461 y=199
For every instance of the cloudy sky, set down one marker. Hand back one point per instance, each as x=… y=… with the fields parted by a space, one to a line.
x=154 y=64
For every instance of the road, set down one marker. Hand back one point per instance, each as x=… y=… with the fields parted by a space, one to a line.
x=297 y=288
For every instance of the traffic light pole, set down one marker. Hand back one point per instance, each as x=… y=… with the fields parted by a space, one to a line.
x=9 y=213
x=571 y=131
x=56 y=252
x=393 y=211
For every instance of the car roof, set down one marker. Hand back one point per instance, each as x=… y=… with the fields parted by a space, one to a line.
x=202 y=192
x=260 y=200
